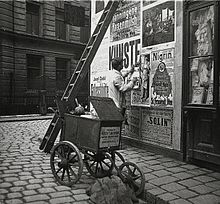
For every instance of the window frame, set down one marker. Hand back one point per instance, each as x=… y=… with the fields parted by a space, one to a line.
x=32 y=16
x=191 y=6
x=62 y=82
x=36 y=81
x=60 y=24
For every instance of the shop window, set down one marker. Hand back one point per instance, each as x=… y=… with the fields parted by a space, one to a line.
x=60 y=25
x=61 y=73
x=34 y=72
x=32 y=18
x=201 y=58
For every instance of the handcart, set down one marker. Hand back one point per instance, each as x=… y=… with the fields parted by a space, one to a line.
x=93 y=140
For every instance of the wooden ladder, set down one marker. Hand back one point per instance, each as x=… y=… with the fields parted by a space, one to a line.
x=78 y=76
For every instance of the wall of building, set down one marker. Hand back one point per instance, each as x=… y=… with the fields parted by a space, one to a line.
x=156 y=119
x=16 y=44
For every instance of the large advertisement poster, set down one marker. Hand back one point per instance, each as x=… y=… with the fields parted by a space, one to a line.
x=158 y=24
x=100 y=64
x=157 y=126
x=126 y=21
x=133 y=119
x=161 y=78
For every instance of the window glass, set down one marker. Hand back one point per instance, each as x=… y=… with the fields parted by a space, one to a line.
x=201 y=56
x=32 y=18
x=201 y=72
x=34 y=72
x=61 y=73
x=60 y=25
x=202 y=31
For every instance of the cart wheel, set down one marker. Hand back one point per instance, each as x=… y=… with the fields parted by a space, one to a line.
x=117 y=158
x=98 y=164
x=133 y=176
x=66 y=163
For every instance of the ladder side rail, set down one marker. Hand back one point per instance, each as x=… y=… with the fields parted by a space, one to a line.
x=86 y=64
x=92 y=41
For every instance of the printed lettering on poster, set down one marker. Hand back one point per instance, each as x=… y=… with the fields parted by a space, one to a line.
x=140 y=95
x=161 y=77
x=126 y=21
x=157 y=126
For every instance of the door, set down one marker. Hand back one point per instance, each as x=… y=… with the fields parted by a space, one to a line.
x=201 y=81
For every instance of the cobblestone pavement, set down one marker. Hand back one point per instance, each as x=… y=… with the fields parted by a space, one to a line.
x=25 y=174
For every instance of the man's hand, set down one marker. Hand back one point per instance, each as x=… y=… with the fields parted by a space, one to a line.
x=134 y=79
x=132 y=69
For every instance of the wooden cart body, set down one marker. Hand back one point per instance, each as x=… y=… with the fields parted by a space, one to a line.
x=95 y=133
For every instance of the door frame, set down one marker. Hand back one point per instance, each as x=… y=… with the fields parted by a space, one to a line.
x=189 y=6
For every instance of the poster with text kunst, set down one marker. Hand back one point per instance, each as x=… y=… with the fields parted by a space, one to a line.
x=161 y=77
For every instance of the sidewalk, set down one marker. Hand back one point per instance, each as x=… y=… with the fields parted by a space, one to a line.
x=167 y=180
x=12 y=118
x=174 y=182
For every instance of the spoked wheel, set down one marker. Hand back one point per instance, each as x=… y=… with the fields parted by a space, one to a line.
x=133 y=176
x=98 y=164
x=117 y=158
x=66 y=163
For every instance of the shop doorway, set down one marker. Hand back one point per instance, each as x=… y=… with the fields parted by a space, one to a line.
x=201 y=82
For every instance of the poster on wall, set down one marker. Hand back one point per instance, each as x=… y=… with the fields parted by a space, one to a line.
x=147 y=2
x=140 y=93
x=161 y=77
x=126 y=21
x=133 y=119
x=128 y=49
x=158 y=24
x=157 y=126
x=99 y=84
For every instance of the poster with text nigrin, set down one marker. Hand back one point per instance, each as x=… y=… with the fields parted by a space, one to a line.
x=161 y=77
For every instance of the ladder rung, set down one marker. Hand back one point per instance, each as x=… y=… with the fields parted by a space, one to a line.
x=53 y=124
x=94 y=35
x=65 y=97
x=71 y=84
x=101 y=22
x=89 y=47
x=83 y=59
x=106 y=11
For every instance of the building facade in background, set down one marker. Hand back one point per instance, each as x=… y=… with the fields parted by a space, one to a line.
x=174 y=108
x=41 y=43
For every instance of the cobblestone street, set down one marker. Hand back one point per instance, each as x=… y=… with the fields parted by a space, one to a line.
x=25 y=174
x=26 y=177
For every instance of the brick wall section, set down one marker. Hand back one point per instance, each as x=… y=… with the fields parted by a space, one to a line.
x=6 y=66
x=6 y=15
x=50 y=71
x=19 y=16
x=20 y=75
x=49 y=19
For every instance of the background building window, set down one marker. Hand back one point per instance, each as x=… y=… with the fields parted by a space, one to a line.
x=60 y=25
x=32 y=18
x=61 y=73
x=34 y=72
